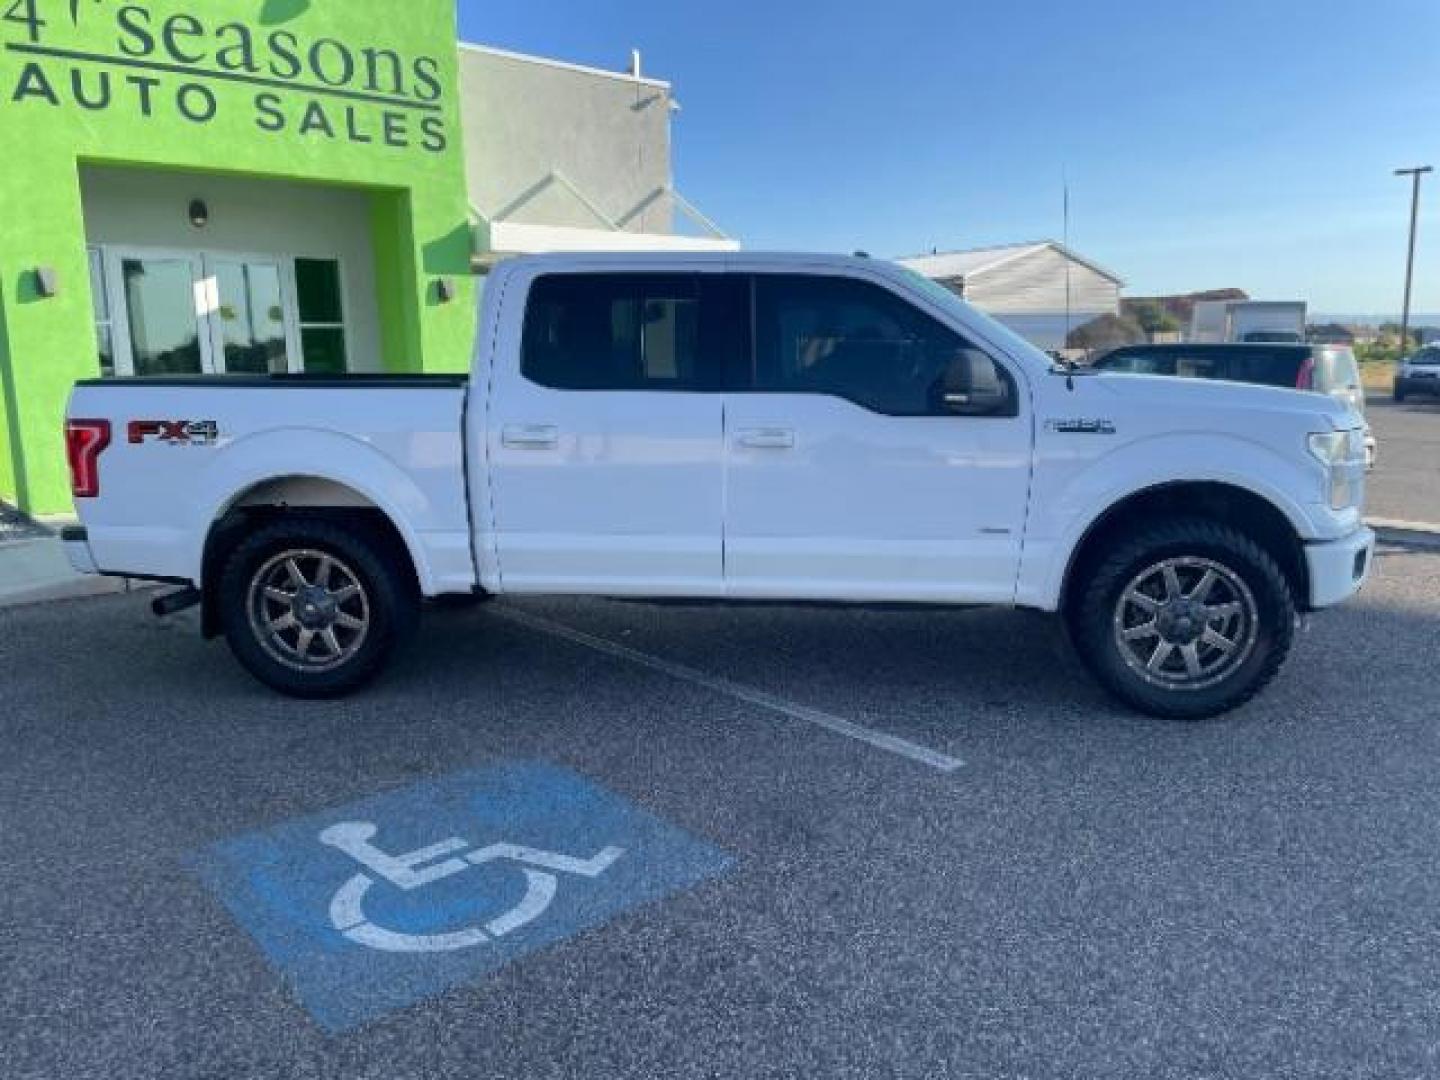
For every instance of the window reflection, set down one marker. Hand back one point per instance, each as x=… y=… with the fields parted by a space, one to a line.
x=164 y=329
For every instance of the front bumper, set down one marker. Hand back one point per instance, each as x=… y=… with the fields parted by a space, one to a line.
x=1339 y=568
x=1412 y=385
x=77 y=550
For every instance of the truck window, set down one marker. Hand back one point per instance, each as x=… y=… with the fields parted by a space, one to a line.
x=1266 y=367
x=1200 y=364
x=616 y=332
x=850 y=339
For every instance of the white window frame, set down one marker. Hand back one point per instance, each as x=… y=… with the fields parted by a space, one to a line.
x=99 y=272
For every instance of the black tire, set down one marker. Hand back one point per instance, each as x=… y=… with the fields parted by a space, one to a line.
x=1400 y=393
x=1258 y=622
x=387 y=604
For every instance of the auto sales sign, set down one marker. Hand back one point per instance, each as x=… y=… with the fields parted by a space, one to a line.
x=288 y=69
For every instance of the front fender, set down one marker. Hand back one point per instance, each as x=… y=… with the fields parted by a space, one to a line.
x=1072 y=494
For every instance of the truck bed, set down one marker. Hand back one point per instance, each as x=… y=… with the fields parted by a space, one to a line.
x=185 y=450
x=273 y=382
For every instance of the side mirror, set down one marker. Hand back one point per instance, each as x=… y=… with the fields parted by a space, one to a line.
x=973 y=385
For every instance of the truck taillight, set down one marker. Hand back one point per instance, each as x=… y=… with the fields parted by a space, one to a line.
x=85 y=441
x=1306 y=379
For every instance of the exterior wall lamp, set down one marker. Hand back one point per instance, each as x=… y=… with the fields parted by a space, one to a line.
x=199 y=213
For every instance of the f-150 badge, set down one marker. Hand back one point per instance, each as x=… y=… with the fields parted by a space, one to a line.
x=1082 y=427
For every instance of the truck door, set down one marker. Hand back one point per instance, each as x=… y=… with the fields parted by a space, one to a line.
x=605 y=440
x=877 y=455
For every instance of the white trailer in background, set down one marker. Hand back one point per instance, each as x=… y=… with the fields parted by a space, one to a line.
x=1220 y=321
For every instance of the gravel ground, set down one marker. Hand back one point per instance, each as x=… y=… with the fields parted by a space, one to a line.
x=1093 y=894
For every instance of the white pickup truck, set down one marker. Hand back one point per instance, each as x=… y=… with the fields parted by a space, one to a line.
x=741 y=428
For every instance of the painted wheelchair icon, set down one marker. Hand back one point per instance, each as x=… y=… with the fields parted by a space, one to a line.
x=416 y=869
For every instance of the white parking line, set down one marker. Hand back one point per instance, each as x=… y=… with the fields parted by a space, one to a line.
x=748 y=694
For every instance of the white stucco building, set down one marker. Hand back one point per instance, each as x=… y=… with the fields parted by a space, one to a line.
x=1041 y=290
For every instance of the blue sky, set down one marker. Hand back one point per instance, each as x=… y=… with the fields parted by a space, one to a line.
x=1226 y=143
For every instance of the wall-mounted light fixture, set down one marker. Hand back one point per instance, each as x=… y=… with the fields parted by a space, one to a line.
x=199 y=213
x=445 y=290
x=47 y=283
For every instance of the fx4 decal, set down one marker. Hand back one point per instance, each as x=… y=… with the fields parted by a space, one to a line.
x=175 y=432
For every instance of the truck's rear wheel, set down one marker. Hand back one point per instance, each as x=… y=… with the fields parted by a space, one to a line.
x=1185 y=620
x=313 y=609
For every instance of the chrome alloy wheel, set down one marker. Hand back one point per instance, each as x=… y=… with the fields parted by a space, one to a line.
x=1186 y=624
x=309 y=610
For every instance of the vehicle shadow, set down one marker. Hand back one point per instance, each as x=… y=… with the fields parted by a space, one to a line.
x=474 y=682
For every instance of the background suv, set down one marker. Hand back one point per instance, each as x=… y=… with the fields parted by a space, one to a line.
x=1323 y=369
x=1419 y=374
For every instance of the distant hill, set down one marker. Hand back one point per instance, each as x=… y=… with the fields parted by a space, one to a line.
x=1418 y=318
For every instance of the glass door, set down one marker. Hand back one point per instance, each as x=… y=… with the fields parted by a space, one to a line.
x=157 y=300
x=201 y=313
x=251 y=334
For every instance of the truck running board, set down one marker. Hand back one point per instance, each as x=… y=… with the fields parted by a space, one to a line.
x=176 y=602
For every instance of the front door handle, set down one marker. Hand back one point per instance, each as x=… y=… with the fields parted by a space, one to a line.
x=767 y=439
x=530 y=437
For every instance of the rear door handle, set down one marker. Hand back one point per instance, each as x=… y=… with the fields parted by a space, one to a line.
x=767 y=439
x=530 y=437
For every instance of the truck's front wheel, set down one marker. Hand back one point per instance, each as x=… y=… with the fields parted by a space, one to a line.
x=313 y=609
x=1185 y=619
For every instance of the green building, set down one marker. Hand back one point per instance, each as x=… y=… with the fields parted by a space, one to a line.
x=252 y=186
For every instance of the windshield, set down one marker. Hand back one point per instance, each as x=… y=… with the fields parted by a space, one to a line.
x=1426 y=358
x=997 y=331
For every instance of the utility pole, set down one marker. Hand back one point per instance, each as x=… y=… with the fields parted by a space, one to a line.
x=1415 y=174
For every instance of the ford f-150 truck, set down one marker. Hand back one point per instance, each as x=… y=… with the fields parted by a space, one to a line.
x=739 y=428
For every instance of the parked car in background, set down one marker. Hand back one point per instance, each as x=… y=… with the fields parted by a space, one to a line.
x=1324 y=369
x=1418 y=374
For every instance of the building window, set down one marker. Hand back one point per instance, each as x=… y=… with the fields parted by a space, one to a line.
x=104 y=331
x=322 y=316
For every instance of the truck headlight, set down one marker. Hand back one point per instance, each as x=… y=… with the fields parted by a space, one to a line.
x=1343 y=455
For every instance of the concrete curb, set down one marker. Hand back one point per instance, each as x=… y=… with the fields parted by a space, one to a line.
x=1423 y=534
x=85 y=588
x=36 y=571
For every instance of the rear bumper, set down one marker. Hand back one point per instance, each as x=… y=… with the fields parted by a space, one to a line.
x=77 y=549
x=1339 y=568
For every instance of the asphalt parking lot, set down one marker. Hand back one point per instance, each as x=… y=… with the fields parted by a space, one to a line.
x=922 y=845
x=1406 y=485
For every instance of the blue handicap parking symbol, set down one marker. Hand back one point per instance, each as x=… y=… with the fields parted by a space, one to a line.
x=392 y=900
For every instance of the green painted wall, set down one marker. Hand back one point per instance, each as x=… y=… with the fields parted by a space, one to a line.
x=331 y=91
